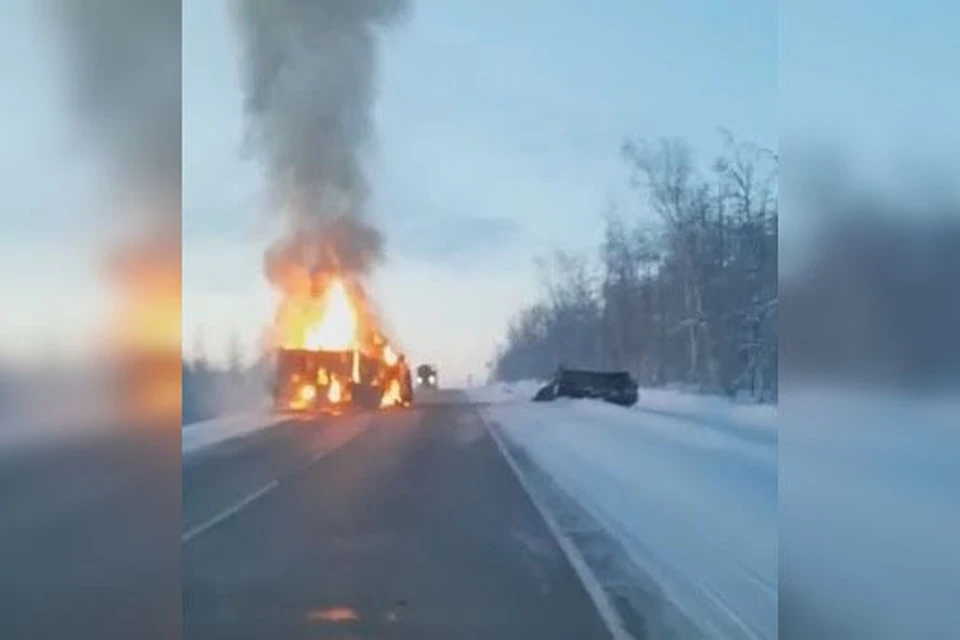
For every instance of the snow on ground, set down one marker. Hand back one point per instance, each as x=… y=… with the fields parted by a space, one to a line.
x=716 y=410
x=688 y=491
x=501 y=392
x=205 y=433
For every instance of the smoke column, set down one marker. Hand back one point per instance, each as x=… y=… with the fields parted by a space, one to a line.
x=309 y=80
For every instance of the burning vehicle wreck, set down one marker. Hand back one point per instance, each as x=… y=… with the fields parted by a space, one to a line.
x=317 y=380
x=331 y=355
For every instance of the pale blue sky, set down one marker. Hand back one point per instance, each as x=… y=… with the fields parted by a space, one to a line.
x=498 y=135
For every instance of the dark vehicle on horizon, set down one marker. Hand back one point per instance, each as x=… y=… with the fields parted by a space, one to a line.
x=427 y=376
x=617 y=387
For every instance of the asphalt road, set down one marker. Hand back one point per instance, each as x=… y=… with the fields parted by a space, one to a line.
x=398 y=524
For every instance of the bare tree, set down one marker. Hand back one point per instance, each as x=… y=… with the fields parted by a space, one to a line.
x=235 y=364
x=692 y=299
x=666 y=172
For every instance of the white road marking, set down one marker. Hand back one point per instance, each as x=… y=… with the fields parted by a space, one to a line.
x=611 y=619
x=318 y=456
x=262 y=491
x=223 y=515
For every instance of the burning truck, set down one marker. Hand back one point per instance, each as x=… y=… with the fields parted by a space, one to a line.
x=331 y=355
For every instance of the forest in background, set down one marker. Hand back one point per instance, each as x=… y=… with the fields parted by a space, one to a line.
x=686 y=296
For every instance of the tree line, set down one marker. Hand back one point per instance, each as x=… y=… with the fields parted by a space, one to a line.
x=688 y=298
x=209 y=390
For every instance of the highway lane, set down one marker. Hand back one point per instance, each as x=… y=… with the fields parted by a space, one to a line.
x=399 y=524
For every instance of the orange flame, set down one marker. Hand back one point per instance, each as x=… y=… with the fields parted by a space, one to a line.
x=390 y=356
x=304 y=397
x=331 y=314
x=393 y=395
x=337 y=326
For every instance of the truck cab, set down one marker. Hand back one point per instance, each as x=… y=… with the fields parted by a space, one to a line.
x=427 y=376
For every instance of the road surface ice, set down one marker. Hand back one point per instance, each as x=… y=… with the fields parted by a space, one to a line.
x=686 y=486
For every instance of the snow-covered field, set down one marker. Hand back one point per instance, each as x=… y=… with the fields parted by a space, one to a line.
x=686 y=485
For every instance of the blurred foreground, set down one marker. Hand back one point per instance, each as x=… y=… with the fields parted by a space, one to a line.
x=90 y=366
x=870 y=406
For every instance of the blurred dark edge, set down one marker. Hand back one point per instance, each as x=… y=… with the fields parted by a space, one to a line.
x=90 y=484
x=869 y=403
x=876 y=302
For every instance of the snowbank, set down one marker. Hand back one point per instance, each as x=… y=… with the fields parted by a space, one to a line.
x=694 y=502
x=716 y=409
x=206 y=433
x=504 y=392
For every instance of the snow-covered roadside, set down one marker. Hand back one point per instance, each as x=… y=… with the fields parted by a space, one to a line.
x=205 y=433
x=502 y=392
x=694 y=505
x=714 y=409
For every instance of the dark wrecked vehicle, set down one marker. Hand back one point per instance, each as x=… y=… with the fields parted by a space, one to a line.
x=617 y=387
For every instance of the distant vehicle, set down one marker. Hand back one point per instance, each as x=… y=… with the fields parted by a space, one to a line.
x=617 y=387
x=427 y=376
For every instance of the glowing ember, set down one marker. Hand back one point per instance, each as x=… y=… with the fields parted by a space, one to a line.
x=304 y=397
x=337 y=327
x=308 y=392
x=335 y=394
x=393 y=396
x=334 y=614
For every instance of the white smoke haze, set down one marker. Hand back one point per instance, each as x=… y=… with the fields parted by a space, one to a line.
x=309 y=83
